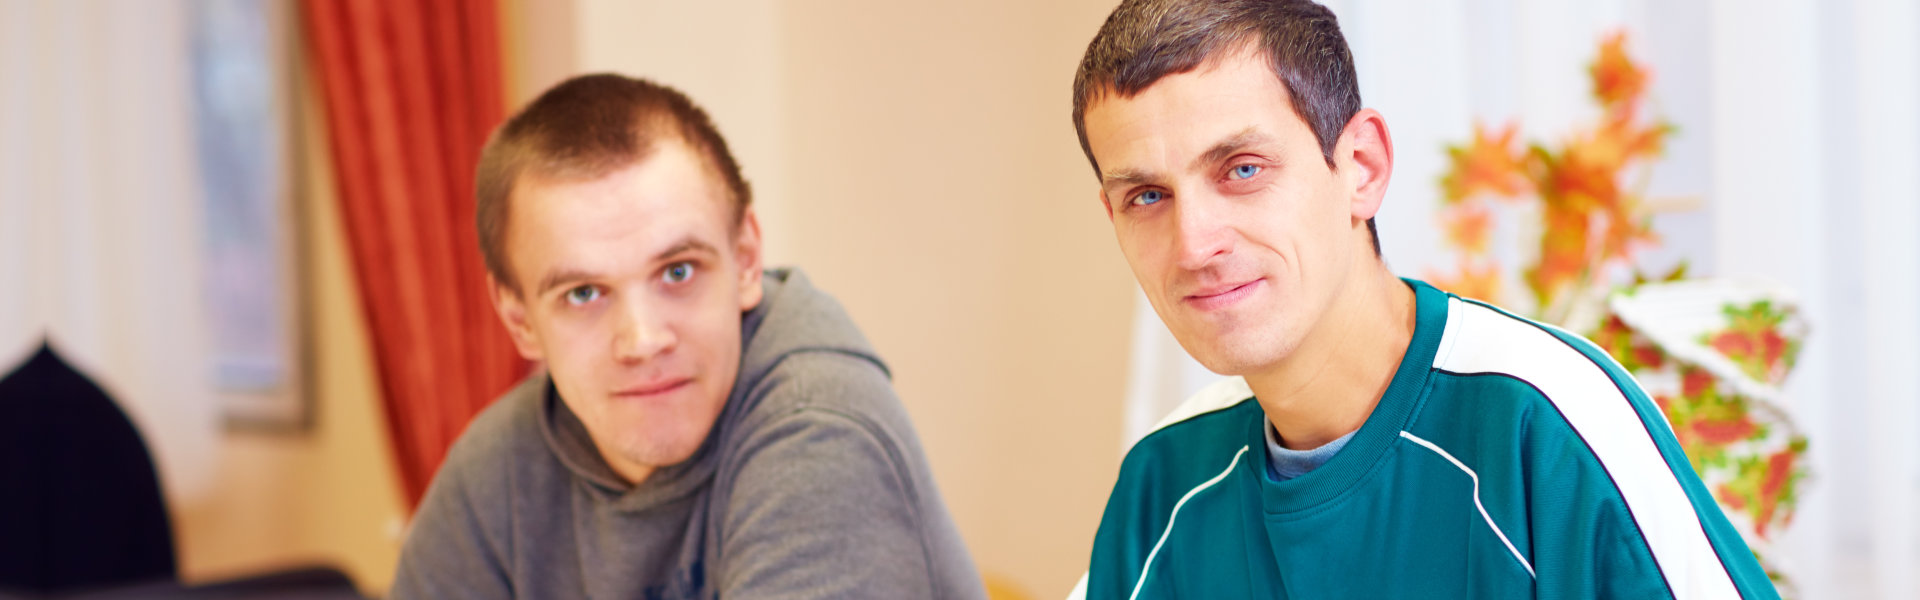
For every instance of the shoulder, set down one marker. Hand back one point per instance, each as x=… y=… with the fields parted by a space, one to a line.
x=498 y=444
x=1203 y=439
x=1207 y=423
x=460 y=537
x=506 y=430
x=1506 y=375
x=827 y=437
x=1217 y=396
x=1602 y=424
x=811 y=475
x=824 y=429
x=824 y=390
x=1553 y=372
x=1482 y=339
x=819 y=416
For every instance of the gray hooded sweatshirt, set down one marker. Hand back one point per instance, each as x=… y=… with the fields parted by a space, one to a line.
x=811 y=484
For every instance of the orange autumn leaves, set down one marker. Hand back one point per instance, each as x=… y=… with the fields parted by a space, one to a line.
x=1488 y=166
x=1617 y=80
x=1589 y=218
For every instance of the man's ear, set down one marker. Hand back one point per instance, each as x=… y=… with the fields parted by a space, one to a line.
x=513 y=314
x=1368 y=160
x=1101 y=195
x=746 y=253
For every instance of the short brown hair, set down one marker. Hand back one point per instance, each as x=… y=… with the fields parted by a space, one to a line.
x=583 y=129
x=1144 y=41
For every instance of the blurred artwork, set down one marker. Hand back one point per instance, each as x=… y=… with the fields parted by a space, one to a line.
x=1713 y=354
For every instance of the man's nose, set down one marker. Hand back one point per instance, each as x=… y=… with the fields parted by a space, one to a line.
x=643 y=333
x=1201 y=230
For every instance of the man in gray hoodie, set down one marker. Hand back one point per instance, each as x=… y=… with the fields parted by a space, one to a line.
x=702 y=428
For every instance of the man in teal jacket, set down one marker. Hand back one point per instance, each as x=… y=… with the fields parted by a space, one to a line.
x=1384 y=439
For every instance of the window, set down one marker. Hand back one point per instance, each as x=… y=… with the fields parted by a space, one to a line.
x=242 y=82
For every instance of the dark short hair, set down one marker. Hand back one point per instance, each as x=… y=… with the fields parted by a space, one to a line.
x=1144 y=41
x=584 y=129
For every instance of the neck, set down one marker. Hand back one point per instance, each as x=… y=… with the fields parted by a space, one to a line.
x=1328 y=385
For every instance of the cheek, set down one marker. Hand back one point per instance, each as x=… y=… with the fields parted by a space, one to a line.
x=1147 y=251
x=708 y=324
x=576 y=344
x=716 y=357
x=568 y=333
x=1318 y=218
x=1337 y=207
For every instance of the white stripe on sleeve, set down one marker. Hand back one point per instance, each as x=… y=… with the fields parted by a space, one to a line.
x=1482 y=340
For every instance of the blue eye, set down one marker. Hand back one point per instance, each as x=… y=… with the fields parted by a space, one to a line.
x=1244 y=172
x=1148 y=197
x=677 y=272
x=583 y=294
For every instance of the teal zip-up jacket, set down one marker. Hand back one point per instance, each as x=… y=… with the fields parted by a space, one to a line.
x=1507 y=459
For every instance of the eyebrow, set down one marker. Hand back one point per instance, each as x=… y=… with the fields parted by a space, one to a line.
x=566 y=275
x=686 y=245
x=1225 y=148
x=1124 y=178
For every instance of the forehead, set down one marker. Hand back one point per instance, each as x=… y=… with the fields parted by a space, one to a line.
x=1183 y=115
x=606 y=223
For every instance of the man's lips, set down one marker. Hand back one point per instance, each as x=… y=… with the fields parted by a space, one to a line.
x=653 y=388
x=1223 y=295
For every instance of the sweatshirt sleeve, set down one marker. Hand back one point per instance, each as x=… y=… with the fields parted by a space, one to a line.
x=823 y=507
x=451 y=551
x=1618 y=511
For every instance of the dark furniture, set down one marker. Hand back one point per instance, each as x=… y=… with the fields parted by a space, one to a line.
x=80 y=502
x=81 y=512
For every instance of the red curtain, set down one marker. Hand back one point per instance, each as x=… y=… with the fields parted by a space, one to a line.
x=411 y=88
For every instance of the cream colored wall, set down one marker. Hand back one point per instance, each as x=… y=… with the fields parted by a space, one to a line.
x=948 y=205
x=329 y=495
x=725 y=55
x=926 y=173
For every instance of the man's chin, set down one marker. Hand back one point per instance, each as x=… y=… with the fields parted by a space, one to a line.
x=1222 y=366
x=664 y=449
x=1234 y=353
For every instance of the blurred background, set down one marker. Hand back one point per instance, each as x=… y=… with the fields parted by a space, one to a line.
x=249 y=222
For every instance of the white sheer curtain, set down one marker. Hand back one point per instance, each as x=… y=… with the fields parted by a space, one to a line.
x=100 y=214
x=1799 y=151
